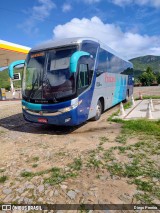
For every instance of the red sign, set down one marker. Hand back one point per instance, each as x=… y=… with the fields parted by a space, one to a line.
x=109 y=78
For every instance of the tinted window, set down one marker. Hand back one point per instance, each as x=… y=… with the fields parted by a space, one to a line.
x=83 y=80
x=90 y=62
x=33 y=75
x=90 y=47
x=102 y=62
x=116 y=64
x=59 y=81
x=110 y=63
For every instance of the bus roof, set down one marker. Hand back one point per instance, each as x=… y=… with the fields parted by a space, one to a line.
x=71 y=41
x=62 y=42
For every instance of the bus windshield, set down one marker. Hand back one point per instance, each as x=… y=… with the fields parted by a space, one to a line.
x=47 y=75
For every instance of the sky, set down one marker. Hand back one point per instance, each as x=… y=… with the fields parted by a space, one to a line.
x=130 y=27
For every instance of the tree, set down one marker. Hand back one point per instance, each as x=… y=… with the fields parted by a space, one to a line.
x=158 y=78
x=148 y=77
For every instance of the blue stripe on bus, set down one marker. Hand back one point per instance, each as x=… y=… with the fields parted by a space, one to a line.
x=120 y=89
x=32 y=106
x=49 y=107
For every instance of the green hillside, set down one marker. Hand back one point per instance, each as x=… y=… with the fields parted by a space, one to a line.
x=141 y=63
x=5 y=81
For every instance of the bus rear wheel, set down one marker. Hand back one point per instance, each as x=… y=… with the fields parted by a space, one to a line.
x=98 y=111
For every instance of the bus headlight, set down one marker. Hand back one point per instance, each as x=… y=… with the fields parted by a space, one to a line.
x=67 y=109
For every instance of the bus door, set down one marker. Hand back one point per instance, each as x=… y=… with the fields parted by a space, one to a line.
x=84 y=89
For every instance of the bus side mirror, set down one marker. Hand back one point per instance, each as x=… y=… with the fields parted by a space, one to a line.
x=11 y=67
x=74 y=59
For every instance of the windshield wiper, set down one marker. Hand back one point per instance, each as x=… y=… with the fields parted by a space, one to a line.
x=46 y=83
x=36 y=81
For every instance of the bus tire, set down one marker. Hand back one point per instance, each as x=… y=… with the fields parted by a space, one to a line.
x=98 y=111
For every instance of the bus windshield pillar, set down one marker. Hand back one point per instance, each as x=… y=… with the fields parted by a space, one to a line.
x=74 y=59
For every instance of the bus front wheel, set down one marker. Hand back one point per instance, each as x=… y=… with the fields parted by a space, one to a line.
x=98 y=111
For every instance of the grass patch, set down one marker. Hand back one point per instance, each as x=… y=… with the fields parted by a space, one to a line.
x=127 y=105
x=143 y=185
x=122 y=149
x=77 y=164
x=144 y=126
x=132 y=171
x=144 y=198
x=140 y=125
x=27 y=174
x=34 y=165
x=103 y=139
x=100 y=148
x=94 y=163
x=2 y=170
x=113 y=115
x=60 y=154
x=1 y=132
x=151 y=96
x=108 y=156
x=3 y=179
x=36 y=158
x=58 y=176
x=115 y=169
x=142 y=167
x=121 y=139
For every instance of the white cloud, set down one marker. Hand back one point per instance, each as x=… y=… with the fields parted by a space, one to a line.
x=153 y=3
x=37 y=14
x=66 y=7
x=42 y=11
x=128 y=44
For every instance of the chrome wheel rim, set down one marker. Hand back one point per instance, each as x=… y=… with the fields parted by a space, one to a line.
x=98 y=110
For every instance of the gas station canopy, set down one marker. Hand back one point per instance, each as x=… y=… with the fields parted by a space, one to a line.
x=10 y=52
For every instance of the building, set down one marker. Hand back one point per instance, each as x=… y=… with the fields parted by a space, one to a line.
x=10 y=52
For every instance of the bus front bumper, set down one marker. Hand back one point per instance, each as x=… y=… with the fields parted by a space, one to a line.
x=63 y=119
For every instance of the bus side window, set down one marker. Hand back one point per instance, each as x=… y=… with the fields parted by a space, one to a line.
x=102 y=62
x=90 y=47
x=83 y=78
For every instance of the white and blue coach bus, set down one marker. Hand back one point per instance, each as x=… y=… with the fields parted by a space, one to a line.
x=70 y=81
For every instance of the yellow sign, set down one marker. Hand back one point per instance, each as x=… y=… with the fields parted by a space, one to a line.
x=3 y=91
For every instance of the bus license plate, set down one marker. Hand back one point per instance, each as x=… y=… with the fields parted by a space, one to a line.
x=42 y=120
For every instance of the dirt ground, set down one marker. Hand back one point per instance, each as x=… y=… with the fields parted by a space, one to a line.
x=27 y=149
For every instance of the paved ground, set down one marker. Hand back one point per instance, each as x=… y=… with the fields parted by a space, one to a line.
x=141 y=110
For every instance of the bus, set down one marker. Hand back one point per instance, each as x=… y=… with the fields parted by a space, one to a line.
x=70 y=81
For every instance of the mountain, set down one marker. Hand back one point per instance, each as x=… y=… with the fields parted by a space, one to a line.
x=141 y=63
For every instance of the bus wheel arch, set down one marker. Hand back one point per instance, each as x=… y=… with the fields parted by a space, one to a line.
x=99 y=109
